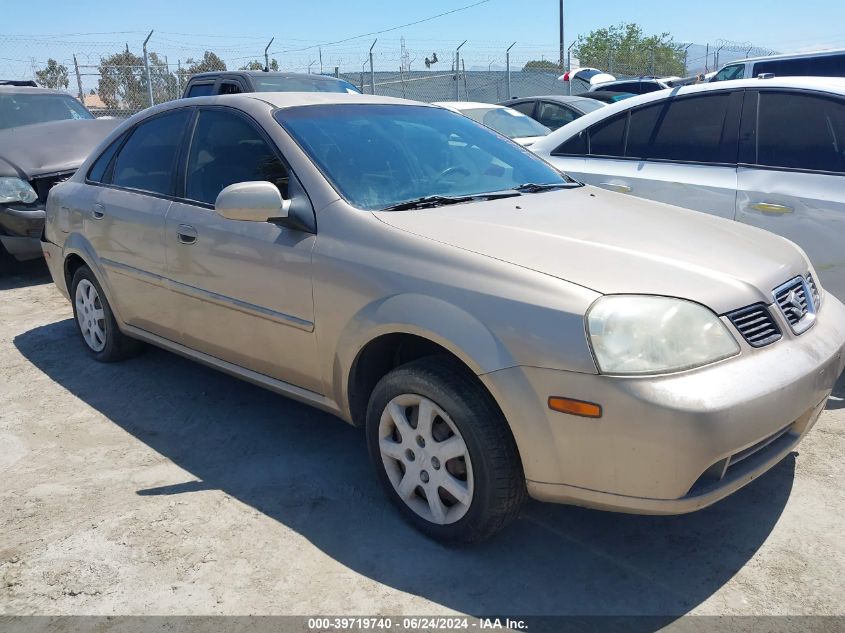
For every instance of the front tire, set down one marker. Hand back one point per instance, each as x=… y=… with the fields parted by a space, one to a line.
x=444 y=452
x=95 y=320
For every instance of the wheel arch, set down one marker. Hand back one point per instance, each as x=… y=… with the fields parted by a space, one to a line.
x=403 y=328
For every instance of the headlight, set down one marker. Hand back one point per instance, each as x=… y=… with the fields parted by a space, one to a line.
x=16 y=190
x=650 y=335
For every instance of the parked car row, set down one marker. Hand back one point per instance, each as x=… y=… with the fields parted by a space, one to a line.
x=499 y=329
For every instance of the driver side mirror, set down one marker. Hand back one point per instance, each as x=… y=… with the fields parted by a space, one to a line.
x=255 y=201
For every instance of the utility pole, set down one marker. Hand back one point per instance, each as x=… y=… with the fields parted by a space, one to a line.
x=561 y=36
x=78 y=80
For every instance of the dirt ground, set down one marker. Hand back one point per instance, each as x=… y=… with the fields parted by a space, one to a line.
x=157 y=486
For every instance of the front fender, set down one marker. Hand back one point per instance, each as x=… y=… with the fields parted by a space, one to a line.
x=428 y=317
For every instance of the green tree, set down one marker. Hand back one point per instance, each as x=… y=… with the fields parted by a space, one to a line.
x=541 y=64
x=54 y=75
x=120 y=83
x=632 y=52
x=163 y=81
x=257 y=65
x=209 y=62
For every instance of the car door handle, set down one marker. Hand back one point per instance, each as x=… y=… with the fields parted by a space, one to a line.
x=186 y=234
x=98 y=212
x=771 y=208
x=617 y=187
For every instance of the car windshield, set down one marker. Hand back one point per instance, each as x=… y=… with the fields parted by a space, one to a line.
x=509 y=122
x=270 y=83
x=381 y=155
x=26 y=109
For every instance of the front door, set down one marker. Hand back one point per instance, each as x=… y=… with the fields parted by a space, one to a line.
x=244 y=287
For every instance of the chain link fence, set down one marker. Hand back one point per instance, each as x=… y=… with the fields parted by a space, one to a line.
x=122 y=73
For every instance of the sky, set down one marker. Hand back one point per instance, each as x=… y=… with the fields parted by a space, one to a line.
x=240 y=30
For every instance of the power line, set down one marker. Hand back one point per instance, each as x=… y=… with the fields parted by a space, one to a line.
x=388 y=30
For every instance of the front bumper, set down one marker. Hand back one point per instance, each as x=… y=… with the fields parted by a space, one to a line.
x=674 y=443
x=20 y=230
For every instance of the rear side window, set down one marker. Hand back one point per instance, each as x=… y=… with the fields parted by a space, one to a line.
x=230 y=88
x=526 y=107
x=148 y=159
x=800 y=131
x=608 y=137
x=201 y=90
x=689 y=130
x=554 y=116
x=98 y=171
x=823 y=66
x=226 y=149
x=576 y=146
x=649 y=86
x=630 y=86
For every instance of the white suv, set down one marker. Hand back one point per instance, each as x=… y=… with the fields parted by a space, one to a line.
x=765 y=152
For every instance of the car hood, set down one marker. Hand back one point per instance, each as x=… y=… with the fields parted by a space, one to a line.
x=616 y=244
x=44 y=148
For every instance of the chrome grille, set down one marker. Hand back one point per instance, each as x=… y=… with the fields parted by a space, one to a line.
x=756 y=325
x=814 y=290
x=796 y=302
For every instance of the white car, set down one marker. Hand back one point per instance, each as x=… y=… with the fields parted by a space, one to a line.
x=765 y=152
x=813 y=64
x=506 y=121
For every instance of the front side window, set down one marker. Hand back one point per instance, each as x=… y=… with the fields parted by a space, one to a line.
x=380 y=155
x=801 y=131
x=148 y=159
x=505 y=121
x=554 y=116
x=690 y=129
x=26 y=109
x=730 y=72
x=227 y=149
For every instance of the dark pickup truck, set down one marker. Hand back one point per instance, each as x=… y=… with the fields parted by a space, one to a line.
x=234 y=82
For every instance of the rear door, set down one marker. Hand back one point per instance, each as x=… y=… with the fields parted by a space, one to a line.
x=680 y=150
x=125 y=223
x=791 y=178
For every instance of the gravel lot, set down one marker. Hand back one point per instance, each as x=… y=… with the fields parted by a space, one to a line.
x=157 y=486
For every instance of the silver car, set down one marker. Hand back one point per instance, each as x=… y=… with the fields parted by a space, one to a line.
x=497 y=328
x=765 y=152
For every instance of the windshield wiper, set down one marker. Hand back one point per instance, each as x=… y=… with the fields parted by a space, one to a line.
x=533 y=187
x=427 y=202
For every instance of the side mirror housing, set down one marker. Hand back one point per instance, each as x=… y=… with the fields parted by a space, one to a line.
x=256 y=201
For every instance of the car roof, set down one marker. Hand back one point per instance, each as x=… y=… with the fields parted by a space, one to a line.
x=834 y=85
x=249 y=100
x=29 y=90
x=466 y=105
x=260 y=73
x=833 y=51
x=558 y=98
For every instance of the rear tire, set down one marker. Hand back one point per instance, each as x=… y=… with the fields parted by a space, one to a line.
x=444 y=452
x=95 y=320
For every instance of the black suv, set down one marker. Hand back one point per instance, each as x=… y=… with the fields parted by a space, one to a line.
x=237 y=81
